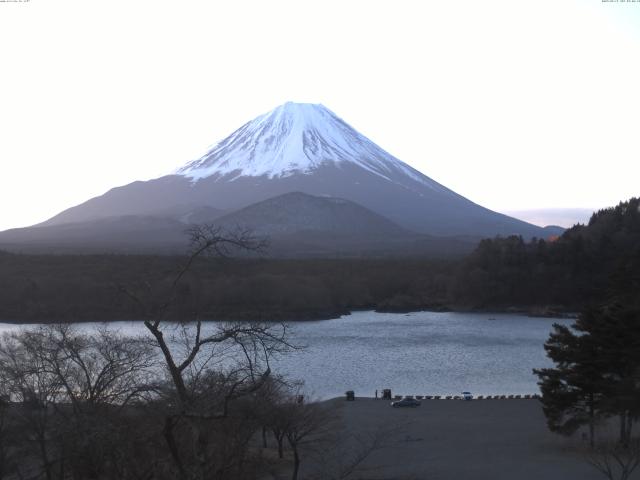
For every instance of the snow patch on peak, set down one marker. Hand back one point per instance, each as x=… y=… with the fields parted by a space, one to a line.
x=296 y=138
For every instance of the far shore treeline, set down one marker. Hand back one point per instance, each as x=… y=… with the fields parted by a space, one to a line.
x=540 y=276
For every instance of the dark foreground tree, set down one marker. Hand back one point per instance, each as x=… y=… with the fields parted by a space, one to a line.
x=304 y=421
x=572 y=391
x=614 y=331
x=214 y=371
x=67 y=399
x=7 y=457
x=597 y=372
x=615 y=461
x=184 y=401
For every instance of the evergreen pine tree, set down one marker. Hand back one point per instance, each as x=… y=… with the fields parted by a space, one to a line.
x=597 y=372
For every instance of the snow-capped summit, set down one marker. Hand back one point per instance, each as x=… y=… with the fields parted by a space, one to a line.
x=295 y=138
x=300 y=147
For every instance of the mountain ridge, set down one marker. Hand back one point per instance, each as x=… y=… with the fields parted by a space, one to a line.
x=294 y=212
x=296 y=224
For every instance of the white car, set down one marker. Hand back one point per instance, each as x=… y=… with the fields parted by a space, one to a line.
x=467 y=396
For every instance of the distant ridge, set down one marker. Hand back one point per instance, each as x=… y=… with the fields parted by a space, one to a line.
x=297 y=212
x=295 y=225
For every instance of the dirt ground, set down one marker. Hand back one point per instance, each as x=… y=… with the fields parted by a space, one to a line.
x=455 y=439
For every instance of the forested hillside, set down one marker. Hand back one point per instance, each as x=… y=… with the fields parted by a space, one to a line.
x=583 y=266
x=52 y=288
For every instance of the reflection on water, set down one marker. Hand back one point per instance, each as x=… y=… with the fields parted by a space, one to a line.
x=424 y=353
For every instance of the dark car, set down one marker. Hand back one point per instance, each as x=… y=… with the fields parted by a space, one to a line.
x=406 y=402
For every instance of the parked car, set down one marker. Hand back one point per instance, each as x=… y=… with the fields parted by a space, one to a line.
x=406 y=402
x=467 y=396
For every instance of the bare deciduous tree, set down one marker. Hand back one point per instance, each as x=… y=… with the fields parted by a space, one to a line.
x=209 y=366
x=305 y=422
x=6 y=460
x=27 y=382
x=182 y=402
x=66 y=389
x=341 y=453
x=614 y=460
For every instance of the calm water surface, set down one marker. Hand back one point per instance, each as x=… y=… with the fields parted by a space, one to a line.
x=424 y=353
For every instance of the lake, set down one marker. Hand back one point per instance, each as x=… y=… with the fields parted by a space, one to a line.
x=422 y=353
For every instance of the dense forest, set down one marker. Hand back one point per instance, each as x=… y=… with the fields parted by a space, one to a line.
x=74 y=288
x=544 y=276
x=583 y=266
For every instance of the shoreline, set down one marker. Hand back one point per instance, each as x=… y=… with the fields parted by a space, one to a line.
x=310 y=316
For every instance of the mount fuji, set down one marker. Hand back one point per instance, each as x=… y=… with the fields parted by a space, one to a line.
x=296 y=138
x=296 y=147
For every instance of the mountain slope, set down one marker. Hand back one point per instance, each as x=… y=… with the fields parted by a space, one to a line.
x=297 y=212
x=296 y=224
x=302 y=225
x=122 y=234
x=304 y=148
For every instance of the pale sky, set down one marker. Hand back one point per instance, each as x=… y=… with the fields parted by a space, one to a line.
x=513 y=104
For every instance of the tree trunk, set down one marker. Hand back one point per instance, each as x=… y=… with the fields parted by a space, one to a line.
x=296 y=463
x=174 y=371
x=264 y=437
x=167 y=432
x=623 y=428
x=200 y=444
x=591 y=422
x=280 y=439
x=61 y=468
x=280 y=447
x=45 y=457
